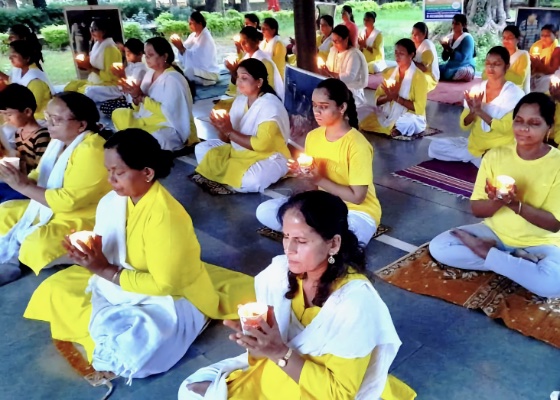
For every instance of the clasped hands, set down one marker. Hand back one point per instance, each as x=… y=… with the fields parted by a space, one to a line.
x=474 y=101
x=391 y=92
x=311 y=174
x=13 y=177
x=507 y=199
x=222 y=122
x=90 y=257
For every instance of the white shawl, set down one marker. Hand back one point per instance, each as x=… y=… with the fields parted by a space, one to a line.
x=32 y=74
x=200 y=52
x=351 y=65
x=51 y=176
x=353 y=323
x=136 y=71
x=458 y=41
x=501 y=105
x=278 y=82
x=97 y=58
x=268 y=47
x=513 y=59
x=326 y=44
x=127 y=328
x=390 y=112
x=266 y=108
x=172 y=91
x=428 y=45
x=371 y=38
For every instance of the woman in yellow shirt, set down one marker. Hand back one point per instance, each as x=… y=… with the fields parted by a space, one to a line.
x=343 y=161
x=148 y=293
x=323 y=40
x=252 y=152
x=545 y=59
x=272 y=44
x=401 y=98
x=519 y=71
x=99 y=62
x=370 y=42
x=520 y=235
x=487 y=114
x=426 y=58
x=64 y=189
x=311 y=346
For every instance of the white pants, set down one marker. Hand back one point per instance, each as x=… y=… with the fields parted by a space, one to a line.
x=362 y=224
x=259 y=176
x=359 y=97
x=168 y=138
x=541 y=278
x=540 y=83
x=452 y=149
x=410 y=124
x=100 y=94
x=377 y=66
x=201 y=77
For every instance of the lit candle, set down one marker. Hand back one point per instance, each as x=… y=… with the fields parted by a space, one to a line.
x=237 y=38
x=118 y=65
x=320 y=62
x=231 y=59
x=504 y=184
x=81 y=57
x=536 y=51
x=131 y=81
x=250 y=314
x=175 y=37
x=390 y=82
x=554 y=81
x=219 y=113
x=475 y=91
x=85 y=237
x=305 y=163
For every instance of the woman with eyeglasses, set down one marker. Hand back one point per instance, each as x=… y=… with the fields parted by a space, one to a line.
x=487 y=114
x=98 y=63
x=545 y=59
x=64 y=189
x=520 y=235
x=459 y=52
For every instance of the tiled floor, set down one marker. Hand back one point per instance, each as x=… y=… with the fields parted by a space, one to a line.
x=448 y=352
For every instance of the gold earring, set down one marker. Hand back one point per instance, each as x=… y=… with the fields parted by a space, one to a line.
x=548 y=135
x=148 y=180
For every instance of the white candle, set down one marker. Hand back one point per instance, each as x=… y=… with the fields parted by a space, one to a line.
x=390 y=82
x=85 y=237
x=554 y=80
x=175 y=37
x=504 y=184
x=219 y=113
x=118 y=65
x=131 y=81
x=536 y=51
x=305 y=163
x=475 y=91
x=250 y=314
x=237 y=38
x=13 y=161
x=81 y=57
x=320 y=62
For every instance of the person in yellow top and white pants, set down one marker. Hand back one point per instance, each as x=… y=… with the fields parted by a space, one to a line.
x=273 y=45
x=370 y=42
x=426 y=58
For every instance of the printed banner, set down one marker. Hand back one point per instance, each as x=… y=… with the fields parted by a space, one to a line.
x=441 y=10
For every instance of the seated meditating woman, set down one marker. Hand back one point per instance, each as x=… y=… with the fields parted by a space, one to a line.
x=487 y=114
x=545 y=59
x=64 y=189
x=348 y=21
x=98 y=63
x=139 y=294
x=401 y=99
x=426 y=58
x=459 y=52
x=162 y=101
x=198 y=53
x=272 y=44
x=519 y=237
x=252 y=152
x=323 y=40
x=347 y=63
x=342 y=161
x=250 y=20
x=328 y=334
x=370 y=42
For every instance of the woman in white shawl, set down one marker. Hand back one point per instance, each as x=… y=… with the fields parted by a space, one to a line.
x=487 y=114
x=252 y=151
x=272 y=44
x=426 y=58
x=162 y=101
x=519 y=71
x=198 y=53
x=370 y=42
x=98 y=63
x=328 y=335
x=347 y=63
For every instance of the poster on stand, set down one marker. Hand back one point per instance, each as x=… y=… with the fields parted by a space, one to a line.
x=441 y=10
x=530 y=21
x=324 y=9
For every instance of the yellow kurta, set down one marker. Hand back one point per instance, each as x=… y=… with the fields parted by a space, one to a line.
x=323 y=377
x=501 y=133
x=545 y=54
x=518 y=72
x=42 y=93
x=428 y=60
x=279 y=57
x=418 y=95
x=348 y=162
x=226 y=165
x=376 y=53
x=292 y=58
x=556 y=127
x=163 y=250
x=111 y=55
x=73 y=205
x=538 y=184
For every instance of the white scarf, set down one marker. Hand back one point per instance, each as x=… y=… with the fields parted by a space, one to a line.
x=200 y=52
x=51 y=176
x=172 y=91
x=31 y=74
x=459 y=39
x=428 y=45
x=97 y=58
x=266 y=108
x=369 y=325
x=504 y=103
x=268 y=47
x=344 y=63
x=513 y=59
x=326 y=44
x=391 y=111
x=278 y=82
x=371 y=38
x=136 y=70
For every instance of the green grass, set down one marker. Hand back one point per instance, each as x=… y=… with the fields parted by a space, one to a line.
x=58 y=65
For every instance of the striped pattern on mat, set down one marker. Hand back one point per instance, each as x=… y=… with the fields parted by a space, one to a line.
x=451 y=177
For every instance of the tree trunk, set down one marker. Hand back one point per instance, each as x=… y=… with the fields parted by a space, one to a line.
x=92 y=2
x=487 y=15
x=39 y=4
x=245 y=6
x=304 y=18
x=214 y=5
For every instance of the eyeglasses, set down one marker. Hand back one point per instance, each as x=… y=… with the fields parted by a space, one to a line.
x=56 y=120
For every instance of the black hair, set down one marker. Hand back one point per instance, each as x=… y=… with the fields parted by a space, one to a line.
x=422 y=27
x=254 y=19
x=408 y=44
x=343 y=32
x=514 y=30
x=23 y=49
x=549 y=27
x=252 y=34
x=340 y=94
x=135 y=46
x=18 y=97
x=272 y=24
x=327 y=214
x=348 y=9
x=138 y=149
x=328 y=19
x=257 y=70
x=82 y=107
x=462 y=19
x=501 y=52
x=547 y=107
x=103 y=25
x=197 y=17
x=370 y=15
x=23 y=32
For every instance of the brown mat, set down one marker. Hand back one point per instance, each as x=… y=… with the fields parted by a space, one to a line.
x=214 y=188
x=495 y=295
x=428 y=132
x=278 y=236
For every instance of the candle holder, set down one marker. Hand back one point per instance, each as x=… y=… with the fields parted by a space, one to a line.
x=504 y=184
x=250 y=314
x=305 y=163
x=85 y=237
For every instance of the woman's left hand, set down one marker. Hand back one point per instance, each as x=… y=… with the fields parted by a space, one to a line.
x=13 y=177
x=84 y=64
x=222 y=122
x=509 y=198
x=91 y=258
x=131 y=88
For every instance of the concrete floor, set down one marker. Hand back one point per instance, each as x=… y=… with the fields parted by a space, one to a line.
x=448 y=352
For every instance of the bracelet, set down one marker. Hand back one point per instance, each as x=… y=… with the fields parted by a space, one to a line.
x=115 y=276
x=519 y=209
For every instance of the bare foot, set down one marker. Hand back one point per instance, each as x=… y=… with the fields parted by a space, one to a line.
x=478 y=246
x=534 y=258
x=395 y=132
x=199 y=387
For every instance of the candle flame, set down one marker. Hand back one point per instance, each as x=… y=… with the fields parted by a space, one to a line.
x=390 y=82
x=117 y=65
x=555 y=81
x=81 y=57
x=320 y=62
x=237 y=38
x=304 y=160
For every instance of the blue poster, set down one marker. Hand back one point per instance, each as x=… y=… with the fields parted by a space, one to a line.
x=441 y=10
x=530 y=22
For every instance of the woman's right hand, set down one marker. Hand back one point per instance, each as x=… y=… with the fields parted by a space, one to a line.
x=131 y=88
x=177 y=42
x=118 y=72
x=238 y=47
x=555 y=92
x=490 y=190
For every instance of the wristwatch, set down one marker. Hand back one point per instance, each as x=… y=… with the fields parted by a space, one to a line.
x=284 y=360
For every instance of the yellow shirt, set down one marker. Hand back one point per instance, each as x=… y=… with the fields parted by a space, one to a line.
x=556 y=127
x=545 y=54
x=111 y=55
x=376 y=50
x=518 y=72
x=538 y=185
x=323 y=54
x=348 y=162
x=279 y=57
x=42 y=93
x=428 y=59
x=501 y=133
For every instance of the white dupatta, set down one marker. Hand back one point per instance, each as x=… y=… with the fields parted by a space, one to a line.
x=353 y=323
x=513 y=59
x=200 y=52
x=371 y=38
x=457 y=42
x=267 y=107
x=278 y=82
x=30 y=75
x=268 y=47
x=97 y=58
x=326 y=44
x=428 y=45
x=390 y=112
x=51 y=176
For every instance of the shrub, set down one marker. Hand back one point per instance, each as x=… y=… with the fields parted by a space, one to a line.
x=134 y=30
x=169 y=27
x=163 y=17
x=397 y=5
x=4 y=43
x=359 y=6
x=56 y=36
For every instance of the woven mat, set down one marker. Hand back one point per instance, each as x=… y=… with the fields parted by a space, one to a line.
x=428 y=132
x=495 y=295
x=214 y=188
x=278 y=236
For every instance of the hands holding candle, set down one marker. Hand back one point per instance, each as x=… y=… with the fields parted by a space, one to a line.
x=83 y=62
x=474 y=99
x=117 y=69
x=304 y=167
x=504 y=190
x=177 y=42
x=391 y=89
x=231 y=63
x=221 y=120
